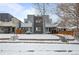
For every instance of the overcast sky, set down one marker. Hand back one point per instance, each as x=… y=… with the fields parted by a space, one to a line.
x=20 y=10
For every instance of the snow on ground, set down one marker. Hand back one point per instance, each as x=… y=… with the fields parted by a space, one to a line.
x=6 y=35
x=30 y=36
x=35 y=49
x=36 y=36
x=66 y=36
x=56 y=38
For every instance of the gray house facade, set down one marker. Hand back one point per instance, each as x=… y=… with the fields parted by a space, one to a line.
x=37 y=24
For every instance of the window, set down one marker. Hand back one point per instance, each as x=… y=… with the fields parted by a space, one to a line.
x=38 y=21
x=47 y=29
x=38 y=28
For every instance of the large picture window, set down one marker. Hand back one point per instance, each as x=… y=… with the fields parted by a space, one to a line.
x=38 y=28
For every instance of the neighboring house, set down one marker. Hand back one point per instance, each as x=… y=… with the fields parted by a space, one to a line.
x=8 y=23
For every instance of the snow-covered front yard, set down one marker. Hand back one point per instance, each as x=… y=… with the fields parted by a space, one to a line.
x=36 y=36
x=30 y=36
x=22 y=47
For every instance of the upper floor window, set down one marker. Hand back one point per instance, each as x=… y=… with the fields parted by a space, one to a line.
x=38 y=21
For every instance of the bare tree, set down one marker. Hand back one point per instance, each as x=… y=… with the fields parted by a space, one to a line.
x=66 y=12
x=45 y=8
x=69 y=13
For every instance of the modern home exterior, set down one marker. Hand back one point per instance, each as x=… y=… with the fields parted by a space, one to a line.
x=37 y=24
x=8 y=23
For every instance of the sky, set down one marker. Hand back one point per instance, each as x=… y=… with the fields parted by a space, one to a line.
x=21 y=10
